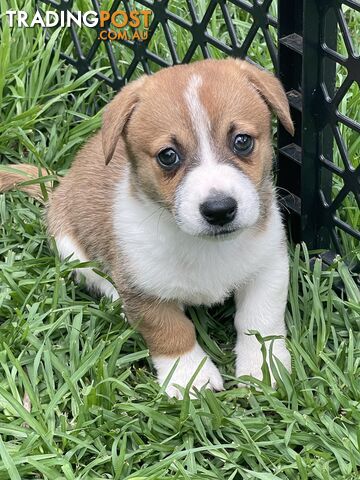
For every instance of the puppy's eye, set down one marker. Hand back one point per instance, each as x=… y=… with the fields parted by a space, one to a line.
x=243 y=144
x=168 y=158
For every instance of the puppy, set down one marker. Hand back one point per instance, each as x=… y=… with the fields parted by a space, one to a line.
x=174 y=198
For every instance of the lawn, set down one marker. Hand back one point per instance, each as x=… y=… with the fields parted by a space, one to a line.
x=96 y=409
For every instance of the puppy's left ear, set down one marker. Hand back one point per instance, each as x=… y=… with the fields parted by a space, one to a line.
x=117 y=114
x=272 y=91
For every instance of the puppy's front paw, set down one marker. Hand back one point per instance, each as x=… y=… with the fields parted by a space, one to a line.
x=249 y=358
x=208 y=377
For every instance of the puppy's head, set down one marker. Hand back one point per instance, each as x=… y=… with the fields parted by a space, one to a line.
x=198 y=141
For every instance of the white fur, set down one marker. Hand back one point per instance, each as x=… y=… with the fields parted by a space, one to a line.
x=68 y=248
x=199 y=119
x=261 y=306
x=209 y=376
x=170 y=264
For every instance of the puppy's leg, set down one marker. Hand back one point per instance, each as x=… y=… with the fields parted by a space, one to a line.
x=170 y=336
x=68 y=247
x=260 y=306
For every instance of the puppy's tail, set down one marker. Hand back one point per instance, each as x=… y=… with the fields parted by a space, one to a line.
x=27 y=178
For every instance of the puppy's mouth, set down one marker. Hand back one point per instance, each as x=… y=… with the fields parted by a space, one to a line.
x=221 y=234
x=225 y=233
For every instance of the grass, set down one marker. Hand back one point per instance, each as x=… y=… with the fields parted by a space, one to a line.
x=97 y=411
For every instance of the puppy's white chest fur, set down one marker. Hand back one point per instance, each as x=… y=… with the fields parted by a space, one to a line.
x=167 y=263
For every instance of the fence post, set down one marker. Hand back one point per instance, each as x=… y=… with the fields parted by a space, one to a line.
x=290 y=13
x=315 y=227
x=302 y=28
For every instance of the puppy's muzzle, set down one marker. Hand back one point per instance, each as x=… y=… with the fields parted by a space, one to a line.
x=219 y=210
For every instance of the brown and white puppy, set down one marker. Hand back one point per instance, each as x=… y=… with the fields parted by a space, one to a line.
x=174 y=198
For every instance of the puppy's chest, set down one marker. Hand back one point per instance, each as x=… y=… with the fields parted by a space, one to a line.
x=177 y=267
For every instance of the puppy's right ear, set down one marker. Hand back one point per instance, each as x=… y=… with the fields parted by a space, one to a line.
x=117 y=114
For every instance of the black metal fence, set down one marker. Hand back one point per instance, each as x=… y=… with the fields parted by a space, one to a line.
x=313 y=46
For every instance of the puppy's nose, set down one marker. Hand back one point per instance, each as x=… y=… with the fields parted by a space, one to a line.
x=219 y=210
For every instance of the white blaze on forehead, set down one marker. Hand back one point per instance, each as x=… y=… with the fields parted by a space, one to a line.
x=199 y=119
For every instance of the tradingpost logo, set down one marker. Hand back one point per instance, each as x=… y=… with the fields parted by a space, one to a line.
x=117 y=25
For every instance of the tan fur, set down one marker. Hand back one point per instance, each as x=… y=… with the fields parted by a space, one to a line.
x=81 y=206
x=22 y=173
x=158 y=321
x=116 y=115
x=272 y=91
